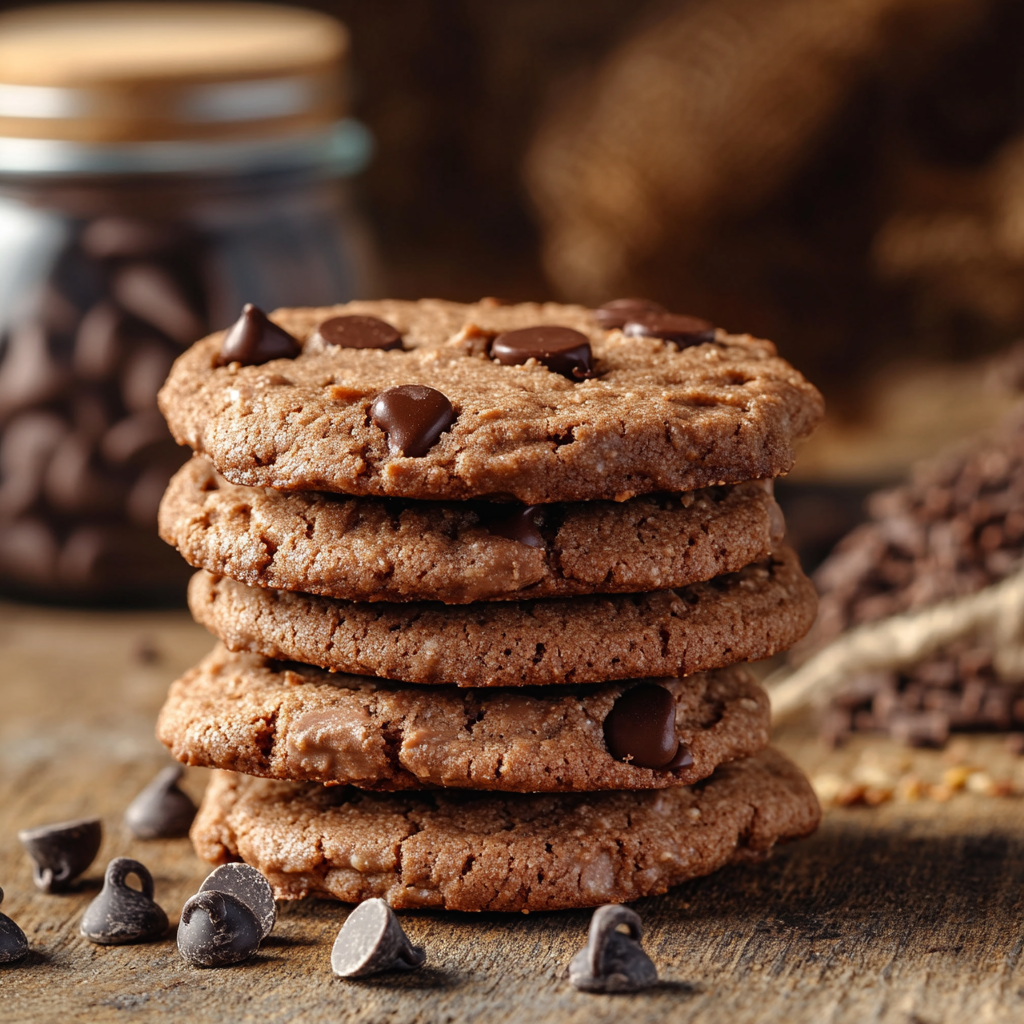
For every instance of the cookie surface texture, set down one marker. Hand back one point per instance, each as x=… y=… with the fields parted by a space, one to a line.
x=384 y=549
x=651 y=418
x=511 y=852
x=244 y=713
x=745 y=616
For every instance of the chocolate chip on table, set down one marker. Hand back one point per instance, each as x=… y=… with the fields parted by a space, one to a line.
x=413 y=416
x=62 y=851
x=372 y=941
x=121 y=915
x=217 y=929
x=682 y=331
x=516 y=522
x=641 y=727
x=247 y=884
x=13 y=944
x=560 y=349
x=359 y=332
x=613 y=959
x=255 y=339
x=617 y=312
x=161 y=810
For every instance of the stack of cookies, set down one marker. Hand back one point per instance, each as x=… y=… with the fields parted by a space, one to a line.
x=484 y=577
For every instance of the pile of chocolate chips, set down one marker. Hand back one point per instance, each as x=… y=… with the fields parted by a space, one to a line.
x=955 y=527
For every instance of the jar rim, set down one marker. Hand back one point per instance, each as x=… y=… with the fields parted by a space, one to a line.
x=340 y=150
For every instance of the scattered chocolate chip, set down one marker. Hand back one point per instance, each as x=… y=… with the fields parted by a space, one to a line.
x=613 y=960
x=516 y=522
x=619 y=311
x=641 y=727
x=560 y=349
x=62 y=851
x=121 y=915
x=217 y=929
x=359 y=332
x=13 y=944
x=247 y=884
x=255 y=339
x=682 y=331
x=371 y=941
x=161 y=810
x=413 y=417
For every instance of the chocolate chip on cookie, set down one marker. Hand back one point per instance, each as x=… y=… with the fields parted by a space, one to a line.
x=516 y=522
x=641 y=727
x=413 y=417
x=560 y=349
x=617 y=312
x=256 y=339
x=359 y=332
x=681 y=331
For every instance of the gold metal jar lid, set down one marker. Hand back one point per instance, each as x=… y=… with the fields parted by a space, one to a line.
x=113 y=73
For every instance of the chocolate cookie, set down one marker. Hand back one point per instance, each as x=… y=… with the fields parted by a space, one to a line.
x=472 y=407
x=744 y=616
x=466 y=851
x=289 y=721
x=386 y=549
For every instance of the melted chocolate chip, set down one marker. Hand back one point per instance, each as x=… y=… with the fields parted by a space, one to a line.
x=359 y=332
x=641 y=727
x=413 y=417
x=613 y=959
x=371 y=941
x=683 y=759
x=560 y=349
x=254 y=339
x=682 y=331
x=516 y=522
x=120 y=914
x=619 y=311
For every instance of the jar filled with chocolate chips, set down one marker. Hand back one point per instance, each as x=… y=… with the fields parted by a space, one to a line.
x=160 y=166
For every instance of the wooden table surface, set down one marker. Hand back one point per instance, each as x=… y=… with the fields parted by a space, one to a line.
x=908 y=912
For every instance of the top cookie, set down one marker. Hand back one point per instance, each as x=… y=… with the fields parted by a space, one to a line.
x=616 y=416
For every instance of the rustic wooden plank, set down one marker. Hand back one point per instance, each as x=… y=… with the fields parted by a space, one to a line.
x=904 y=912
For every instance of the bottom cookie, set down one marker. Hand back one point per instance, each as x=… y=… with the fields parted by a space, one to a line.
x=471 y=851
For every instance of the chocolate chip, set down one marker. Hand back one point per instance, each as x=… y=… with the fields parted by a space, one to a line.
x=121 y=915
x=359 y=332
x=161 y=810
x=155 y=297
x=247 y=884
x=217 y=929
x=619 y=311
x=683 y=759
x=682 y=331
x=413 y=417
x=516 y=522
x=371 y=941
x=255 y=339
x=13 y=944
x=62 y=851
x=613 y=961
x=641 y=727
x=560 y=349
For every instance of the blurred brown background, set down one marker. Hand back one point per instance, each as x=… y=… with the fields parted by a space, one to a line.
x=846 y=178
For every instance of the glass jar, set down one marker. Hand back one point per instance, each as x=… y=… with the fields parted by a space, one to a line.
x=121 y=244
